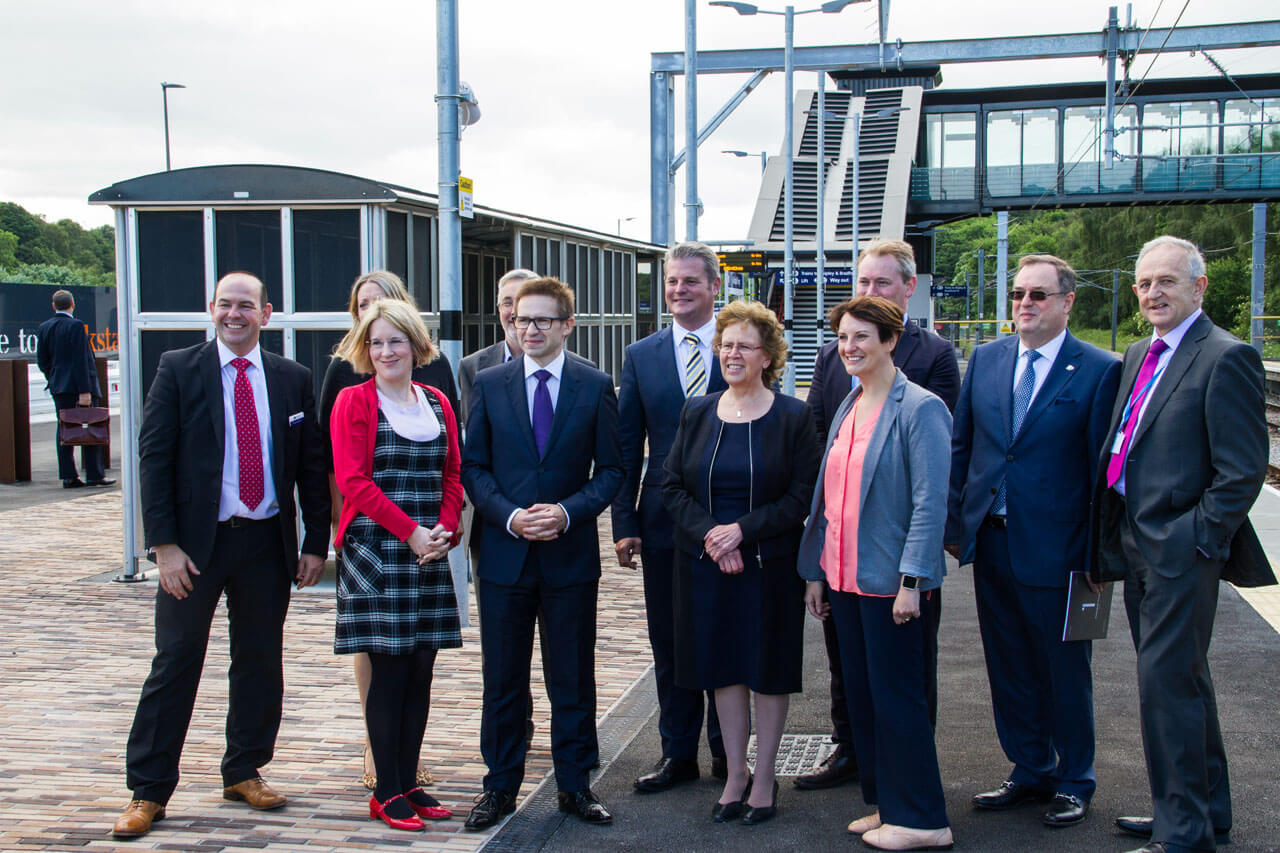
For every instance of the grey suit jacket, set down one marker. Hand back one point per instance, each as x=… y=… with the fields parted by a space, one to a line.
x=1196 y=463
x=473 y=364
x=903 y=506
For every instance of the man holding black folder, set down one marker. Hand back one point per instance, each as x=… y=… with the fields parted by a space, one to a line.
x=1030 y=423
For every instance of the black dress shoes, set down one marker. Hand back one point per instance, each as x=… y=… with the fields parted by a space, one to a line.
x=1065 y=810
x=1142 y=827
x=1008 y=795
x=101 y=483
x=585 y=805
x=751 y=815
x=492 y=807
x=720 y=767
x=667 y=773
x=1151 y=847
x=839 y=768
x=73 y=484
x=729 y=812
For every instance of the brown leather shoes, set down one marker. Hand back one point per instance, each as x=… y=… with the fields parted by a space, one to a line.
x=137 y=819
x=256 y=792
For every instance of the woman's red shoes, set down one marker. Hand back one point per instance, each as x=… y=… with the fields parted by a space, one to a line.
x=433 y=811
x=379 y=810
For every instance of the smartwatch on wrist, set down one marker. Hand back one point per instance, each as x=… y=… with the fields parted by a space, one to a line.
x=910 y=582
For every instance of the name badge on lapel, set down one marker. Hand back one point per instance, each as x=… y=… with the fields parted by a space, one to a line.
x=295 y=418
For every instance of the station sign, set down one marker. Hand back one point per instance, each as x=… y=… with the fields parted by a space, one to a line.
x=948 y=291
x=742 y=261
x=466 y=206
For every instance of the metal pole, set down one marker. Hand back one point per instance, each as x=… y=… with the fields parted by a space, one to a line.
x=691 y=120
x=857 y=181
x=450 y=224
x=659 y=158
x=1113 y=40
x=789 y=260
x=1259 y=270
x=1002 y=270
x=164 y=91
x=822 y=169
x=1115 y=305
x=982 y=286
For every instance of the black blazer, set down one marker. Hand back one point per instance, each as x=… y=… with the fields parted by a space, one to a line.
x=502 y=472
x=65 y=357
x=181 y=447
x=927 y=360
x=785 y=455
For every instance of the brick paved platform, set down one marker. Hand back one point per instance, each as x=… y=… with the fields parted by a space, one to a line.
x=76 y=648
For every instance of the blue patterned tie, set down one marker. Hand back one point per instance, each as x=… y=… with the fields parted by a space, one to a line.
x=1021 y=402
x=695 y=371
x=542 y=411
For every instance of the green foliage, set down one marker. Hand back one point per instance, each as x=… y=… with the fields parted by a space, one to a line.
x=43 y=248
x=8 y=248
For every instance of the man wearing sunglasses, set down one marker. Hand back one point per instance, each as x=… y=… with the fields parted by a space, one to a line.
x=1029 y=425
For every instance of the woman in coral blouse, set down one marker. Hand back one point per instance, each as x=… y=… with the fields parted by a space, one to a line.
x=396 y=460
x=874 y=537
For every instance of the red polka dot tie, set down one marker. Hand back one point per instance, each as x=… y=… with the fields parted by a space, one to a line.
x=248 y=439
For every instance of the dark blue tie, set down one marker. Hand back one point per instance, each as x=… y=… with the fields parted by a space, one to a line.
x=1021 y=402
x=543 y=414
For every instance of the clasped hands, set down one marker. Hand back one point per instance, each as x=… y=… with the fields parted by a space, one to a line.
x=721 y=544
x=431 y=544
x=540 y=522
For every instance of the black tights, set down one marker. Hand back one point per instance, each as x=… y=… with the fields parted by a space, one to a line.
x=396 y=716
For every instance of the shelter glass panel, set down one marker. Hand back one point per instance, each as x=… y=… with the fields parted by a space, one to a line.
x=1022 y=152
x=1176 y=141
x=249 y=240
x=421 y=278
x=156 y=342
x=526 y=259
x=553 y=258
x=1252 y=133
x=312 y=349
x=398 y=243
x=950 y=157
x=1084 y=151
x=171 y=261
x=326 y=258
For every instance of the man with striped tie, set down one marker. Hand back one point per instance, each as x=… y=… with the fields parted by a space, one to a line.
x=658 y=374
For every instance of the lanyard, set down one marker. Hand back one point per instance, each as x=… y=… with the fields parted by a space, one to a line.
x=1139 y=397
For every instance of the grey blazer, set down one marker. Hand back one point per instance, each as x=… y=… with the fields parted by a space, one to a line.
x=902 y=512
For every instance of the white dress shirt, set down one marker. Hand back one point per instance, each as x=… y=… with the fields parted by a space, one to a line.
x=706 y=334
x=230 y=503
x=1048 y=354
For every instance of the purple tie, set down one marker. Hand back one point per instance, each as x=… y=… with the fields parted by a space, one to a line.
x=542 y=411
x=1136 y=397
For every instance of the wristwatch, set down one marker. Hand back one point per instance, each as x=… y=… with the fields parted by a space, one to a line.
x=910 y=582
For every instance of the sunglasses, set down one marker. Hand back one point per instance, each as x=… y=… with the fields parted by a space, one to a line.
x=1018 y=294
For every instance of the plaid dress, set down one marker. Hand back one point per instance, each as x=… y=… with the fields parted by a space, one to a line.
x=387 y=603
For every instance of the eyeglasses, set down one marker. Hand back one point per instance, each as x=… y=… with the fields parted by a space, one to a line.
x=743 y=349
x=390 y=343
x=1017 y=294
x=539 y=323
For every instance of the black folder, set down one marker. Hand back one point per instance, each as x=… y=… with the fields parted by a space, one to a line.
x=1088 y=612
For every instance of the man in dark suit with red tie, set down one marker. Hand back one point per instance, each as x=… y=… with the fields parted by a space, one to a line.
x=227 y=432
x=886 y=268
x=1186 y=456
x=541 y=463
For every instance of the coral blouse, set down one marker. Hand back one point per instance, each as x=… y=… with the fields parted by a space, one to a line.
x=842 y=487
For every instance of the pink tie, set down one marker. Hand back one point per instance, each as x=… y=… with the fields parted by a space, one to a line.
x=248 y=440
x=1136 y=397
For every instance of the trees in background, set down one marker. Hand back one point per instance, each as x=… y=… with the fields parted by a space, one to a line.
x=62 y=252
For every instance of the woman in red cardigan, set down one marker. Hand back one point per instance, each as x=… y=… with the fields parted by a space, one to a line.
x=397 y=464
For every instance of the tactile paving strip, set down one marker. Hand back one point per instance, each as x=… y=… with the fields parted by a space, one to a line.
x=797 y=754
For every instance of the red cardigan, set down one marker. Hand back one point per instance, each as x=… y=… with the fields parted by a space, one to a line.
x=353 y=429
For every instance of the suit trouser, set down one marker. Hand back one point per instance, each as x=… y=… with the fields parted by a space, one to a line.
x=1171 y=621
x=884 y=677
x=1041 y=687
x=679 y=708
x=248 y=563
x=90 y=455
x=930 y=618
x=507 y=616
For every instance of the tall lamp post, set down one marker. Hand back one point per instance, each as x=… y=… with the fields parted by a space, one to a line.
x=164 y=94
x=831 y=7
x=622 y=219
x=764 y=157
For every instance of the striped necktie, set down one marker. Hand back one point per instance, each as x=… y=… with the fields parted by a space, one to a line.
x=695 y=371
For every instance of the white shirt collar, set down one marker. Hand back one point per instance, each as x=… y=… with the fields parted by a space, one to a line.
x=507 y=355
x=706 y=332
x=1179 y=331
x=225 y=355
x=1049 y=352
x=65 y=314
x=555 y=368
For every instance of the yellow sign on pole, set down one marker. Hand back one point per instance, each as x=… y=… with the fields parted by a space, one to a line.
x=466 y=207
x=1006 y=328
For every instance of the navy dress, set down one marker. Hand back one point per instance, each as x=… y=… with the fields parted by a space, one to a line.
x=746 y=628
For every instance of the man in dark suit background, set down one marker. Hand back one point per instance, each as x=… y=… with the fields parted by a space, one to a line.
x=658 y=374
x=227 y=431
x=541 y=463
x=66 y=360
x=1185 y=459
x=886 y=268
x=1030 y=423
x=505 y=349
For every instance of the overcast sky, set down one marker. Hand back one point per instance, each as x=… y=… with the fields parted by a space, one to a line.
x=562 y=84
